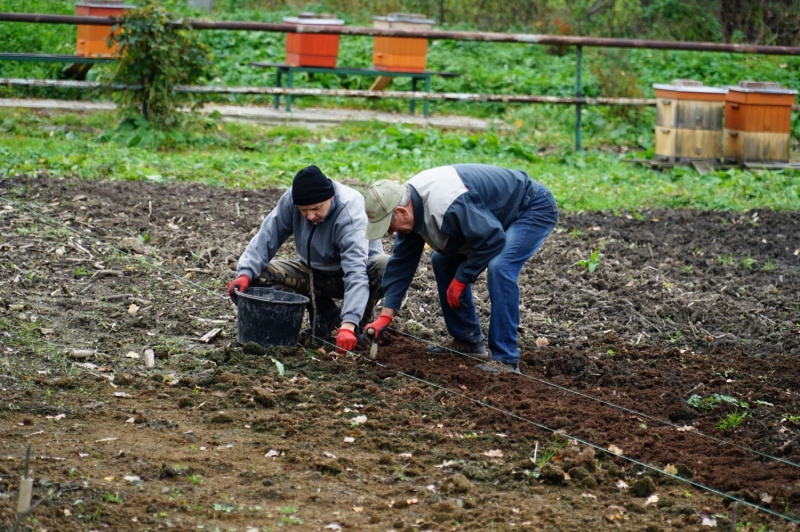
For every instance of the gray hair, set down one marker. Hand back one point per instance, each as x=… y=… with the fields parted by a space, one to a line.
x=405 y=199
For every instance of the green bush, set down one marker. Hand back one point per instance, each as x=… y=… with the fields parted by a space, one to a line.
x=158 y=52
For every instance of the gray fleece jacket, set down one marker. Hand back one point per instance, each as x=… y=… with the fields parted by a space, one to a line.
x=338 y=244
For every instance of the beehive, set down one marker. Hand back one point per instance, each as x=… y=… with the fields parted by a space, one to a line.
x=93 y=40
x=758 y=118
x=401 y=54
x=689 y=118
x=311 y=49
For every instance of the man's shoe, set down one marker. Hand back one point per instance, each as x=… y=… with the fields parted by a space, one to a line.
x=364 y=340
x=497 y=367
x=478 y=350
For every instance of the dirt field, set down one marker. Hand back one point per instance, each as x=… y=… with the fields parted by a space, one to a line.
x=652 y=386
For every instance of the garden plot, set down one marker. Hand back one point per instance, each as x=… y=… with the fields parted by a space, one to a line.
x=659 y=359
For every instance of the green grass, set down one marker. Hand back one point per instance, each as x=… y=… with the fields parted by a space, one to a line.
x=254 y=156
x=540 y=139
x=732 y=420
x=515 y=68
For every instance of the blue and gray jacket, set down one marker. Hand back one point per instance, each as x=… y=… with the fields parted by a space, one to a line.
x=339 y=243
x=459 y=209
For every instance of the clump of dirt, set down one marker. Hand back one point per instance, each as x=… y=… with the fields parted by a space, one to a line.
x=659 y=372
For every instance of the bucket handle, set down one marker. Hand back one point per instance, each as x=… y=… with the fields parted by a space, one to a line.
x=236 y=295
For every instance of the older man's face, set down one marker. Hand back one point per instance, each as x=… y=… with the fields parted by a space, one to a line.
x=402 y=220
x=317 y=212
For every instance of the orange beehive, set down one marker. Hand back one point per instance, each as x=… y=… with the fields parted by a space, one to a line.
x=758 y=117
x=688 y=121
x=401 y=54
x=93 y=40
x=312 y=49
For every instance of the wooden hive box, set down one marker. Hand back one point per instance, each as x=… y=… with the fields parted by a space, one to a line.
x=758 y=117
x=312 y=49
x=92 y=40
x=400 y=54
x=689 y=118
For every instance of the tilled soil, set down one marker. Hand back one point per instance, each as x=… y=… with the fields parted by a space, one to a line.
x=659 y=389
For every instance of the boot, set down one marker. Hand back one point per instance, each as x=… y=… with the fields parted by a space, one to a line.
x=328 y=318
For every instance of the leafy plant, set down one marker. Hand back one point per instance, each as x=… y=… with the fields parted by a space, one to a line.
x=732 y=420
x=551 y=451
x=158 y=51
x=112 y=497
x=712 y=401
x=726 y=260
x=288 y=517
x=592 y=263
x=278 y=366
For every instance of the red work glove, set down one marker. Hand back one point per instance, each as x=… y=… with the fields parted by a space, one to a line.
x=454 y=292
x=379 y=325
x=240 y=283
x=345 y=341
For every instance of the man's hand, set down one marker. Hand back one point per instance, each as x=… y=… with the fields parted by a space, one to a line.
x=240 y=284
x=345 y=340
x=454 y=292
x=379 y=326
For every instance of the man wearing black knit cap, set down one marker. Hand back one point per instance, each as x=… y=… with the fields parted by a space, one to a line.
x=329 y=225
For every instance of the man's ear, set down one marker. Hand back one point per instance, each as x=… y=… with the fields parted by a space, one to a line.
x=401 y=212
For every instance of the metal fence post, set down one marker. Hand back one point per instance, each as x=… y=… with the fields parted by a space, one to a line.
x=578 y=106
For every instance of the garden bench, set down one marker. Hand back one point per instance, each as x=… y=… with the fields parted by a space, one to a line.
x=52 y=58
x=383 y=80
x=77 y=67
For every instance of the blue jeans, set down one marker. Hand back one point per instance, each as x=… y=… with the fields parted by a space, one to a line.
x=523 y=237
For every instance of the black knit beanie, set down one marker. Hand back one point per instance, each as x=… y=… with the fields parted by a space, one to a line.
x=310 y=186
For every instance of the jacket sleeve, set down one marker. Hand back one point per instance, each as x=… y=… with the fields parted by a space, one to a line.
x=351 y=236
x=466 y=222
x=400 y=268
x=275 y=229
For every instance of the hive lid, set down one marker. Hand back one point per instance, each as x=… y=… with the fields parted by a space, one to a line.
x=323 y=19
x=413 y=18
x=771 y=87
x=689 y=85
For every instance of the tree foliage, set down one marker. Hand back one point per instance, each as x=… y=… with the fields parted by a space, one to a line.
x=157 y=52
x=761 y=21
x=774 y=22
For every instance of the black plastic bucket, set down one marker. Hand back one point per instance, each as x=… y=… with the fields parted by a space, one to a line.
x=269 y=317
